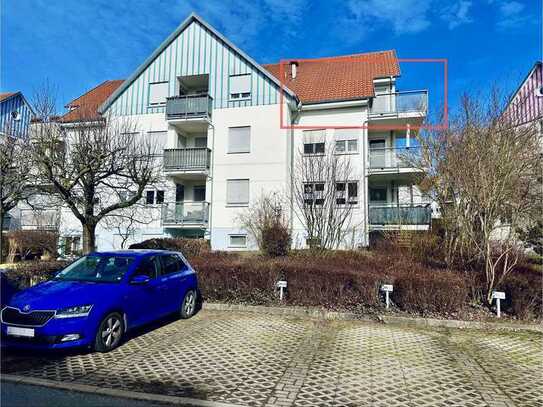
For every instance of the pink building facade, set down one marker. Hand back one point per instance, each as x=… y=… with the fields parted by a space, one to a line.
x=526 y=105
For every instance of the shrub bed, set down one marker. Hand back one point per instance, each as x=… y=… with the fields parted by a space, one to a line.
x=20 y=274
x=189 y=247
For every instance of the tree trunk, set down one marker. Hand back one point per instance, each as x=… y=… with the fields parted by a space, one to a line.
x=89 y=238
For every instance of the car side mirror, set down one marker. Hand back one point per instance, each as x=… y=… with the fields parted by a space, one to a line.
x=140 y=279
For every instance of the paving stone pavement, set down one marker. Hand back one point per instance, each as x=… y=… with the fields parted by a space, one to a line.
x=265 y=360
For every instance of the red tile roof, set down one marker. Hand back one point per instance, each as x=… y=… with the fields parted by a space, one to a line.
x=6 y=95
x=85 y=107
x=337 y=78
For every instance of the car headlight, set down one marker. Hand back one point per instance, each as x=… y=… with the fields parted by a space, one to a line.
x=79 y=311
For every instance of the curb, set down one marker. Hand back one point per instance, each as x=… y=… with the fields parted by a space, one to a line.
x=124 y=394
x=319 y=313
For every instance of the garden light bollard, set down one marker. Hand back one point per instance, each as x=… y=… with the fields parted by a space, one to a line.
x=498 y=296
x=281 y=284
x=387 y=288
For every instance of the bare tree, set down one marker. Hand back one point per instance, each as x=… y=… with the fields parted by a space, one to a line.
x=266 y=211
x=323 y=197
x=125 y=222
x=15 y=174
x=485 y=175
x=90 y=163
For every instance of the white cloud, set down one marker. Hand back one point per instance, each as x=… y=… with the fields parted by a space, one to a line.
x=457 y=14
x=403 y=16
x=511 y=15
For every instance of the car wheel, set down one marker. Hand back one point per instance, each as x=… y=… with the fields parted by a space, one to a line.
x=189 y=304
x=110 y=333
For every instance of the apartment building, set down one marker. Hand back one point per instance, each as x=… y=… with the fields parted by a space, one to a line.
x=229 y=130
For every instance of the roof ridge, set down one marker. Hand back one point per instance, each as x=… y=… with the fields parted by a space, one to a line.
x=369 y=53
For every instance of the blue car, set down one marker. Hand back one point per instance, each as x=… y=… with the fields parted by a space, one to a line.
x=94 y=301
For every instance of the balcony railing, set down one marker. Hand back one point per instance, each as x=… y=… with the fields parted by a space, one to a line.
x=400 y=215
x=393 y=157
x=415 y=101
x=39 y=219
x=185 y=213
x=187 y=159
x=189 y=106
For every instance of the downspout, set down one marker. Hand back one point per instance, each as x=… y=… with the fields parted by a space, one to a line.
x=293 y=118
x=211 y=172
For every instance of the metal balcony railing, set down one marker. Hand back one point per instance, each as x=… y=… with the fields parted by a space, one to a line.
x=39 y=219
x=189 y=106
x=185 y=213
x=393 y=157
x=187 y=159
x=415 y=101
x=400 y=215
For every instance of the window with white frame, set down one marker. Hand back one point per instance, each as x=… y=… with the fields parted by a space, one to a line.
x=240 y=87
x=314 y=141
x=314 y=193
x=346 y=141
x=237 y=240
x=237 y=192
x=347 y=193
x=158 y=92
x=239 y=139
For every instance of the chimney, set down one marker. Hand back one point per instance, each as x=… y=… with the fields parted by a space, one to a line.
x=293 y=69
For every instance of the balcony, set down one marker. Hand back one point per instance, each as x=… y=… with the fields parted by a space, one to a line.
x=400 y=215
x=185 y=214
x=187 y=160
x=39 y=219
x=189 y=112
x=400 y=103
x=392 y=159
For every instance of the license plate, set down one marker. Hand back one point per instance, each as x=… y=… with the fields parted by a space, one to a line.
x=16 y=331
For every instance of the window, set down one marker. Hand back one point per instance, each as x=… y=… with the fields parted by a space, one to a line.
x=147 y=267
x=346 y=141
x=200 y=142
x=170 y=264
x=314 y=141
x=314 y=193
x=239 y=139
x=158 y=92
x=347 y=193
x=159 y=197
x=237 y=192
x=240 y=87
x=378 y=194
x=199 y=193
x=237 y=241
x=72 y=245
x=150 y=197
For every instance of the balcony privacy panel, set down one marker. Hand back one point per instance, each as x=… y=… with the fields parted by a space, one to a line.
x=187 y=159
x=179 y=213
x=400 y=215
x=400 y=102
x=393 y=157
x=190 y=106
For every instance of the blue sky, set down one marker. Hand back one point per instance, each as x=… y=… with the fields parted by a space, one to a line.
x=78 y=44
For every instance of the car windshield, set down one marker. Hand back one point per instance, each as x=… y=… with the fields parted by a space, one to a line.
x=106 y=269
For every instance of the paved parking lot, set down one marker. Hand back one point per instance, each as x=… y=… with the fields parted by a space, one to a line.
x=264 y=360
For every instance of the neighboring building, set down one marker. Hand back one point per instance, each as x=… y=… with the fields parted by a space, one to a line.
x=526 y=104
x=215 y=113
x=15 y=114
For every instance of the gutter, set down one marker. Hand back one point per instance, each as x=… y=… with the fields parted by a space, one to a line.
x=333 y=105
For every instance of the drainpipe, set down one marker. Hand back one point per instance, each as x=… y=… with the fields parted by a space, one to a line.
x=211 y=168
x=293 y=119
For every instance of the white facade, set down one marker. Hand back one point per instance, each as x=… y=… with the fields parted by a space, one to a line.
x=222 y=144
